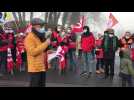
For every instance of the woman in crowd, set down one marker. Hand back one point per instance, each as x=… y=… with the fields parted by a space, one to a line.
x=99 y=54
x=87 y=44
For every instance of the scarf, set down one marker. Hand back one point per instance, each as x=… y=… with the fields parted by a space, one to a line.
x=86 y=33
x=41 y=36
x=106 y=43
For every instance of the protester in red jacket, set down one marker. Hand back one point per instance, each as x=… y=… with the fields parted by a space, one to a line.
x=6 y=41
x=99 y=54
x=20 y=52
x=72 y=49
x=63 y=42
x=54 y=44
x=10 y=49
x=87 y=41
x=87 y=44
x=3 y=51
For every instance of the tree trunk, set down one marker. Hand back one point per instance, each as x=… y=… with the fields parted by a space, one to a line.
x=31 y=16
x=50 y=18
x=24 y=16
x=75 y=17
x=46 y=17
x=15 y=16
x=20 y=16
x=58 y=16
x=54 y=17
x=65 y=15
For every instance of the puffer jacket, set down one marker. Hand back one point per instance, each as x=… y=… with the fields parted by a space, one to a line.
x=35 y=53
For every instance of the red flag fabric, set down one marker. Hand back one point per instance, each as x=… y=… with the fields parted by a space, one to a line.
x=10 y=62
x=28 y=29
x=112 y=21
x=62 y=58
x=18 y=58
x=19 y=49
x=61 y=51
x=78 y=27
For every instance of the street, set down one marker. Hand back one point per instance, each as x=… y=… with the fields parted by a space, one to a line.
x=70 y=79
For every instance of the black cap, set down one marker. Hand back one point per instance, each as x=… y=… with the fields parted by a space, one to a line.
x=37 y=21
x=110 y=31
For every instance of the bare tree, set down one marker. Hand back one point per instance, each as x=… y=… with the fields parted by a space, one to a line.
x=50 y=21
x=31 y=16
x=20 y=16
x=46 y=17
x=56 y=17
x=24 y=16
x=70 y=18
x=52 y=17
x=65 y=16
x=75 y=17
x=15 y=16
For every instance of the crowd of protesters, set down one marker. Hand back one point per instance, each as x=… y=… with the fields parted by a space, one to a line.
x=28 y=52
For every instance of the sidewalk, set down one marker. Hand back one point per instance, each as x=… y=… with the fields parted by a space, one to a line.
x=71 y=79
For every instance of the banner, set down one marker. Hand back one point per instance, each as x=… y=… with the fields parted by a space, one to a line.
x=29 y=28
x=58 y=53
x=9 y=16
x=112 y=21
x=78 y=27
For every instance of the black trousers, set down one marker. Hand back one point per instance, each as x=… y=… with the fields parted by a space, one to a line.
x=13 y=51
x=109 y=67
x=126 y=79
x=100 y=63
x=37 y=79
x=79 y=54
x=3 y=62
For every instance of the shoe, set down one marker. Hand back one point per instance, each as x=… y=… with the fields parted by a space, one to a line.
x=64 y=71
x=111 y=77
x=1 y=75
x=102 y=70
x=70 y=69
x=89 y=74
x=98 y=72
x=106 y=76
x=85 y=75
x=84 y=72
x=60 y=72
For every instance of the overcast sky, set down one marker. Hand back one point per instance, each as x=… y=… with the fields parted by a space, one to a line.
x=126 y=19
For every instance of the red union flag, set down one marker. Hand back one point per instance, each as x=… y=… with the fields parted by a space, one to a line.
x=29 y=28
x=10 y=63
x=112 y=21
x=78 y=27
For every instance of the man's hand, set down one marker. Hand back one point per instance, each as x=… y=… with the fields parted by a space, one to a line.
x=48 y=40
x=50 y=51
x=49 y=65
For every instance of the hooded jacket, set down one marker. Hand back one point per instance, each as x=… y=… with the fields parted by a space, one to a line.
x=87 y=42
